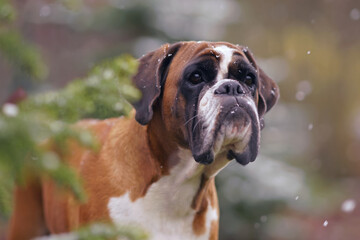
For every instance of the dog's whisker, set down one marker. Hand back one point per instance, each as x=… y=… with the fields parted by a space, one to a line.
x=191 y=119
x=196 y=124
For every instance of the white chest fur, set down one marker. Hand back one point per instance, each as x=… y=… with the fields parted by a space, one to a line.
x=165 y=211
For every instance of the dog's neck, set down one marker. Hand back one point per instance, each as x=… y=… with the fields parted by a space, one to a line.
x=178 y=162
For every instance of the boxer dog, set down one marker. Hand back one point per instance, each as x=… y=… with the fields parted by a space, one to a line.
x=202 y=105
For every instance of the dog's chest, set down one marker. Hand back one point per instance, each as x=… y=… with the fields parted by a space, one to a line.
x=165 y=211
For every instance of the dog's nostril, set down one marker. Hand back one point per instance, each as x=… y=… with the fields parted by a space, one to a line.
x=239 y=90
x=229 y=88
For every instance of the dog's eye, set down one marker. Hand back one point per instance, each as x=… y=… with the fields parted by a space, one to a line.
x=249 y=79
x=195 y=78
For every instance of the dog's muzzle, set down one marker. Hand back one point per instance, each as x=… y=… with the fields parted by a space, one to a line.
x=236 y=129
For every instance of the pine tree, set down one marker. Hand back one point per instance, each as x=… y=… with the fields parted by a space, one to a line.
x=106 y=92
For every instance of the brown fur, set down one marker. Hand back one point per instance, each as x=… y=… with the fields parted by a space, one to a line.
x=28 y=216
x=131 y=156
x=101 y=173
x=214 y=231
x=207 y=191
x=62 y=213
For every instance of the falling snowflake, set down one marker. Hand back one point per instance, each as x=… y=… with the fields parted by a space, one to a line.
x=348 y=205
x=10 y=110
x=355 y=14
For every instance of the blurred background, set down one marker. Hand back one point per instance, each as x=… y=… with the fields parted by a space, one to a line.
x=306 y=182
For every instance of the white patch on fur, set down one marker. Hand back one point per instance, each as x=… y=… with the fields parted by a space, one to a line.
x=226 y=56
x=209 y=109
x=165 y=211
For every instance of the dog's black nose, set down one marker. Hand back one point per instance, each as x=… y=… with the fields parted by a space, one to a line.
x=232 y=88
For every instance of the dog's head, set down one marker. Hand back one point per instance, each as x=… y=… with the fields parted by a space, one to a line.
x=212 y=98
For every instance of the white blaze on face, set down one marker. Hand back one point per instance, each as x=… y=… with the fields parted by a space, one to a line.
x=209 y=107
x=226 y=54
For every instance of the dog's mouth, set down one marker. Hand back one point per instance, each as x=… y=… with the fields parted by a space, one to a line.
x=231 y=130
x=235 y=133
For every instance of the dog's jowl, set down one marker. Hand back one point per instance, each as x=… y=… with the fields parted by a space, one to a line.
x=202 y=106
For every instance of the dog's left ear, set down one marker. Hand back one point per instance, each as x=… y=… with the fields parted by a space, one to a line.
x=150 y=78
x=268 y=92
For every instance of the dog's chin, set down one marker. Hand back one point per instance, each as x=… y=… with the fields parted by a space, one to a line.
x=231 y=137
x=236 y=135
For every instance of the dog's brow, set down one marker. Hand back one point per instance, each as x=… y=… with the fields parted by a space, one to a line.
x=238 y=54
x=208 y=53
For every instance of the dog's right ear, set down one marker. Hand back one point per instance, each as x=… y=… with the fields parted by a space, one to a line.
x=150 y=78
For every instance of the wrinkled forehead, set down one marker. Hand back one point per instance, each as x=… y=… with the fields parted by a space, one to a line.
x=221 y=53
x=217 y=49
